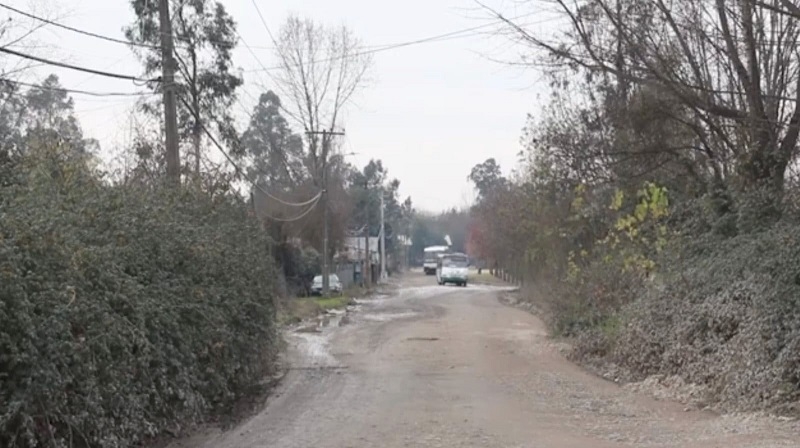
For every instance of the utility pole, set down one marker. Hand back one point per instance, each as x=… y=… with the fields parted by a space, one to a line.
x=367 y=261
x=326 y=267
x=383 y=242
x=168 y=89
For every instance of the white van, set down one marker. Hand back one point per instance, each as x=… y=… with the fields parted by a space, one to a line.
x=453 y=268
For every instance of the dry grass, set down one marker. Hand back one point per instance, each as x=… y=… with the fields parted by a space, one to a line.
x=485 y=278
x=298 y=309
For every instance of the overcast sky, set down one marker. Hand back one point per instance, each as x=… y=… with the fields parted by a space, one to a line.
x=430 y=112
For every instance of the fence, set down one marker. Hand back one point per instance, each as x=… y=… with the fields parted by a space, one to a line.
x=346 y=273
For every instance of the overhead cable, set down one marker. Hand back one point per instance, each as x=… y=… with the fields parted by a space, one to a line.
x=75 y=67
x=74 y=91
x=236 y=166
x=264 y=22
x=76 y=30
x=298 y=217
x=101 y=36
x=439 y=37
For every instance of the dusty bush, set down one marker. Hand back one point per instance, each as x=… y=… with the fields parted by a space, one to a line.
x=124 y=312
x=593 y=302
x=726 y=316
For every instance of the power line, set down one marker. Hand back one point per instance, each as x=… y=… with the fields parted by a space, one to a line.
x=264 y=22
x=439 y=37
x=252 y=52
x=76 y=30
x=75 y=67
x=292 y=173
x=74 y=91
x=236 y=166
x=298 y=217
x=258 y=60
x=101 y=36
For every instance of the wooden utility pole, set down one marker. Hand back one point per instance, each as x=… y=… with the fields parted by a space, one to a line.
x=326 y=268
x=168 y=89
x=367 y=261
x=383 y=241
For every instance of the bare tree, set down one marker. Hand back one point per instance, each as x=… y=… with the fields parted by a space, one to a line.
x=732 y=66
x=783 y=6
x=321 y=68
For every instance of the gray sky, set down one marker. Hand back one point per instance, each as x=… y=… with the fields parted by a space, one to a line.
x=430 y=112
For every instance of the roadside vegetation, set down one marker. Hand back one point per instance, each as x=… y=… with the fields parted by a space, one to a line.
x=120 y=317
x=654 y=212
x=298 y=309
x=137 y=302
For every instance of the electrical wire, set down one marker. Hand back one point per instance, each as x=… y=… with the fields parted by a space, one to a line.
x=298 y=217
x=292 y=173
x=465 y=32
x=249 y=49
x=256 y=100
x=75 y=67
x=76 y=30
x=74 y=91
x=236 y=166
x=101 y=36
x=264 y=22
x=230 y=159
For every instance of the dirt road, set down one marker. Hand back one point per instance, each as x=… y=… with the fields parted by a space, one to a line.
x=434 y=366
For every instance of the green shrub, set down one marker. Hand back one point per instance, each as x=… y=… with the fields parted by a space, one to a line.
x=124 y=311
x=726 y=315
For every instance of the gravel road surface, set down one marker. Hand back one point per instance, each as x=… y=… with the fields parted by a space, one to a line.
x=440 y=366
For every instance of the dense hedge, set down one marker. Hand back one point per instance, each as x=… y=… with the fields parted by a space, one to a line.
x=125 y=311
x=728 y=318
x=723 y=314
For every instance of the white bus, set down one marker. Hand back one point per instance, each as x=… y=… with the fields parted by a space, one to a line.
x=432 y=254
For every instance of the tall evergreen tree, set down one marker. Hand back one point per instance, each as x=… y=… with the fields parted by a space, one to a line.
x=204 y=36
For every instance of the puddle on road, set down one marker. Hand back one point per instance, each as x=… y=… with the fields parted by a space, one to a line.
x=314 y=348
x=313 y=340
x=386 y=317
x=333 y=320
x=423 y=292
x=372 y=300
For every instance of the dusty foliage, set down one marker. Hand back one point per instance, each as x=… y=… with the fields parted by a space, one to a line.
x=702 y=286
x=125 y=311
x=720 y=314
x=683 y=293
x=726 y=316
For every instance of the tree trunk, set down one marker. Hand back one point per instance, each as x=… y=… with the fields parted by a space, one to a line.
x=760 y=201
x=196 y=145
x=196 y=135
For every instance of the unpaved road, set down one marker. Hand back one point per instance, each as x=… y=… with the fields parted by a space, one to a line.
x=434 y=366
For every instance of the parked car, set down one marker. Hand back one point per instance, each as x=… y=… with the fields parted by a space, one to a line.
x=333 y=283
